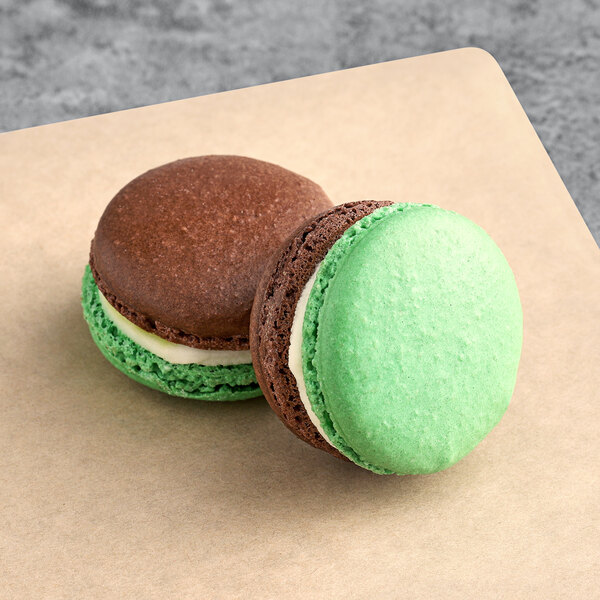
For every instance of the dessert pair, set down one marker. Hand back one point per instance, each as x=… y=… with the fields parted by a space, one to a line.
x=387 y=334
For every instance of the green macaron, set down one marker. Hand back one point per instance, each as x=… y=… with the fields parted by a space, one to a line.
x=400 y=344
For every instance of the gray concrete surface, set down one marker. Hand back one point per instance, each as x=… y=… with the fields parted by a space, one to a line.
x=62 y=59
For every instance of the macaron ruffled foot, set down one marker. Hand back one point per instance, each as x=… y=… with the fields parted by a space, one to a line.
x=188 y=380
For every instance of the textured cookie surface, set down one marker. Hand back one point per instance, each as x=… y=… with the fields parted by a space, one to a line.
x=411 y=339
x=235 y=382
x=276 y=299
x=179 y=250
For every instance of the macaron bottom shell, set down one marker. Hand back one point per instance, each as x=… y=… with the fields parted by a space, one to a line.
x=211 y=383
x=411 y=339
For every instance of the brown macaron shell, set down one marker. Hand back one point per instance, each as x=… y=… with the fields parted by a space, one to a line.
x=275 y=303
x=180 y=249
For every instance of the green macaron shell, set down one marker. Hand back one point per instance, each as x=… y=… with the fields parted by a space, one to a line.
x=231 y=382
x=411 y=339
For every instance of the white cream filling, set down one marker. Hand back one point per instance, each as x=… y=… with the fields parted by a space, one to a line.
x=178 y=354
x=295 y=353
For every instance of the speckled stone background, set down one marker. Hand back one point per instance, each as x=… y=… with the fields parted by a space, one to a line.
x=62 y=59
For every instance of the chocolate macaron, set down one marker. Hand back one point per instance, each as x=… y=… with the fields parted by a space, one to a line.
x=389 y=335
x=174 y=266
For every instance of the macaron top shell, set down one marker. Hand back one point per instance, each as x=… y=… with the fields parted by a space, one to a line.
x=180 y=249
x=411 y=339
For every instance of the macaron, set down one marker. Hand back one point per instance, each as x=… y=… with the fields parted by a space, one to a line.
x=174 y=266
x=388 y=335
